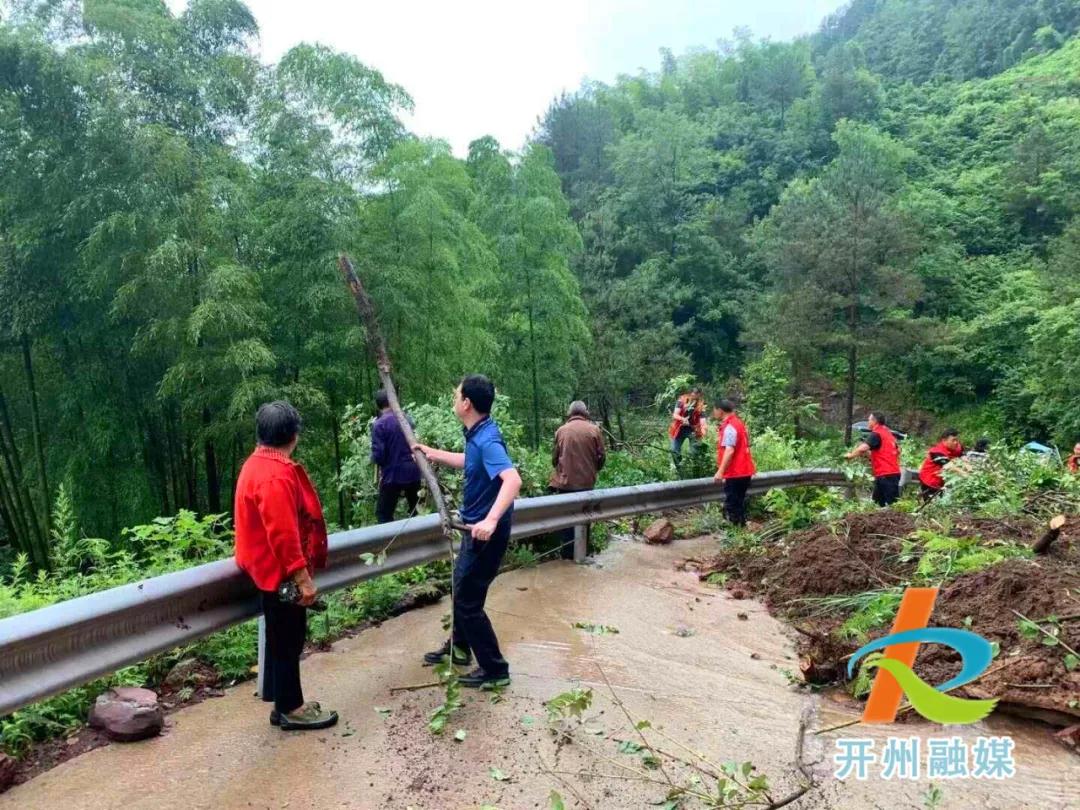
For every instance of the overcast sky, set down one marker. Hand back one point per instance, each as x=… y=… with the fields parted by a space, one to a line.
x=479 y=67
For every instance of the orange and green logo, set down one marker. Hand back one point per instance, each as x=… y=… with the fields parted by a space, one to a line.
x=895 y=678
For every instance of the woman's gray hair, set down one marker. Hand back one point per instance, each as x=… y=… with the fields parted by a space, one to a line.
x=577 y=408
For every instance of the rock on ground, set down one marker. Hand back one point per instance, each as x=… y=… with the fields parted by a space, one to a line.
x=191 y=672
x=128 y=713
x=660 y=532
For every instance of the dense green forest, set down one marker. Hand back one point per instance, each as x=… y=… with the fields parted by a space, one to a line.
x=884 y=210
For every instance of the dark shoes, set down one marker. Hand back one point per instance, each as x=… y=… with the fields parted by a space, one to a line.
x=478 y=679
x=309 y=716
x=462 y=658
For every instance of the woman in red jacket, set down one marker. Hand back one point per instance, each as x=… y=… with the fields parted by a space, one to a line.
x=281 y=537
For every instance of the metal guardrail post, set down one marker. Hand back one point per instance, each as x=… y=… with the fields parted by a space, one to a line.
x=581 y=542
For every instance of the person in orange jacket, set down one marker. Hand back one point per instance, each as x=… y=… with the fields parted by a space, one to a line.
x=687 y=422
x=734 y=464
x=280 y=540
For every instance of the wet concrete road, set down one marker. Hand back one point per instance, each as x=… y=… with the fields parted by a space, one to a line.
x=682 y=659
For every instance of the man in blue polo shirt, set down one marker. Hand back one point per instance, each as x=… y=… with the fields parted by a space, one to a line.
x=491 y=485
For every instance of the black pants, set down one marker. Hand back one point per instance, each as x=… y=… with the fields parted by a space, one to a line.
x=566 y=536
x=927 y=492
x=735 y=499
x=389 y=494
x=886 y=489
x=477 y=565
x=286 y=627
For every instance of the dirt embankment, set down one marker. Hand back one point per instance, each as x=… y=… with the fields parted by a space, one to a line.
x=863 y=553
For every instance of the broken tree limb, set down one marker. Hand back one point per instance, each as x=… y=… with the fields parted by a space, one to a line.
x=368 y=319
x=1042 y=545
x=415 y=687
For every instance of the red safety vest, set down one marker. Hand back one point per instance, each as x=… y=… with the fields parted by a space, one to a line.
x=695 y=415
x=886 y=459
x=930 y=473
x=742 y=463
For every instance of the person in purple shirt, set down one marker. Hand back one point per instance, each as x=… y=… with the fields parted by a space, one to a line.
x=398 y=473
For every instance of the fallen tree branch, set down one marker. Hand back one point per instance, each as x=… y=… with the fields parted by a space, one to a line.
x=366 y=310
x=415 y=687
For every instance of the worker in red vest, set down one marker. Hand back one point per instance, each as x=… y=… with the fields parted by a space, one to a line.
x=734 y=464
x=947 y=449
x=687 y=422
x=884 y=454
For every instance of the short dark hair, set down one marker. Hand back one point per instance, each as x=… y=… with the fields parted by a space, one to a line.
x=381 y=399
x=982 y=445
x=880 y=417
x=696 y=390
x=277 y=423
x=725 y=405
x=480 y=391
x=948 y=433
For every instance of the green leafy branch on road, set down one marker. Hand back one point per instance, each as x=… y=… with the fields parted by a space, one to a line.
x=686 y=775
x=448 y=677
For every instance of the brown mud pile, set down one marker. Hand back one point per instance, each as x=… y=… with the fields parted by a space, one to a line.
x=862 y=553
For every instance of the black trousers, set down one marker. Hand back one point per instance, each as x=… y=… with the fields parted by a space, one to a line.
x=886 y=489
x=477 y=565
x=735 y=499
x=566 y=536
x=389 y=494
x=286 y=628
x=927 y=492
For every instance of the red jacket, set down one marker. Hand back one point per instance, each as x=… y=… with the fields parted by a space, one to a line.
x=886 y=459
x=278 y=518
x=742 y=463
x=930 y=472
x=697 y=423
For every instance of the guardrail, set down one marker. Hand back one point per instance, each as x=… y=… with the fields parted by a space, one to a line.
x=55 y=648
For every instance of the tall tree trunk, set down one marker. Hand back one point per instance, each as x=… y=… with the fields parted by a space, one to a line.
x=172 y=460
x=535 y=376
x=619 y=421
x=213 y=480
x=39 y=439
x=853 y=359
x=335 y=429
x=188 y=459
x=6 y=519
x=22 y=503
x=605 y=418
x=13 y=522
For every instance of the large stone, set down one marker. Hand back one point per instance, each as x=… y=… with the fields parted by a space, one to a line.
x=660 y=532
x=191 y=672
x=128 y=713
x=7 y=772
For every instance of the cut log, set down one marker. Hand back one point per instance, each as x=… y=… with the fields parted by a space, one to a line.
x=1042 y=545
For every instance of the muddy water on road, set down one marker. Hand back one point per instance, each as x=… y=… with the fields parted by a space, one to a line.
x=683 y=659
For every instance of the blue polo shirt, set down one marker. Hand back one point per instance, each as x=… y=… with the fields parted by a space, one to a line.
x=485 y=459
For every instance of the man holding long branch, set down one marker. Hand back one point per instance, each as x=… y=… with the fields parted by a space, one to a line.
x=491 y=485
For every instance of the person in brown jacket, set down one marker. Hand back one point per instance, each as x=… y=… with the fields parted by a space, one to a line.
x=578 y=456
